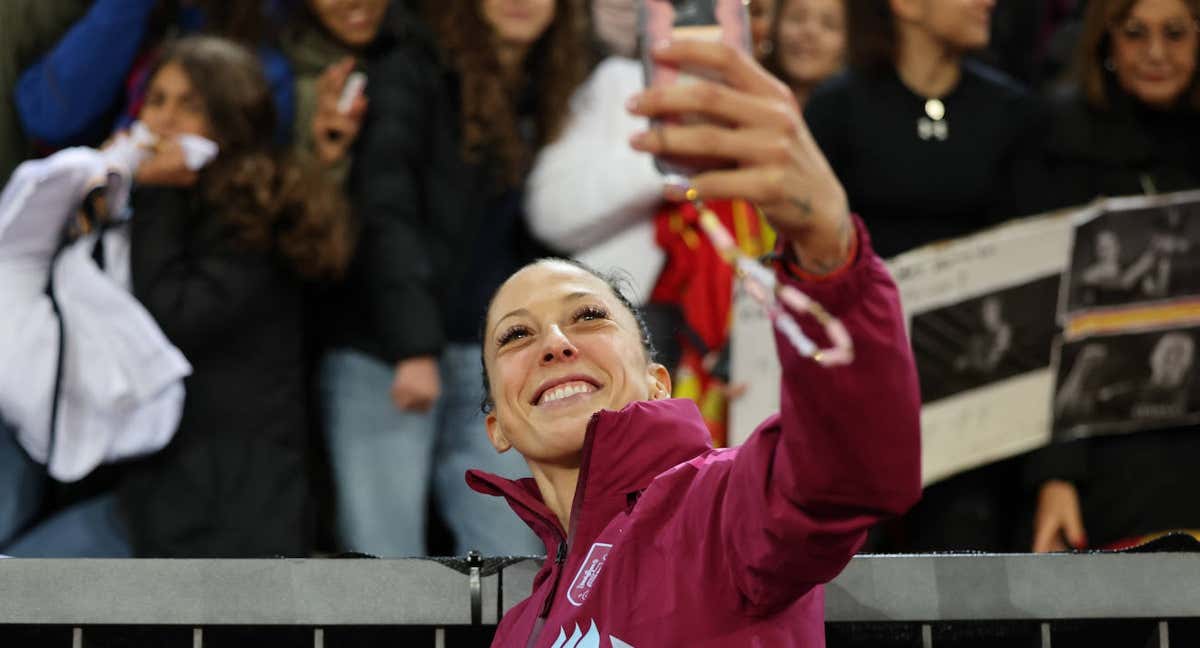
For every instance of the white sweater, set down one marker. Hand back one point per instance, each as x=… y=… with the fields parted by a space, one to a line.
x=590 y=194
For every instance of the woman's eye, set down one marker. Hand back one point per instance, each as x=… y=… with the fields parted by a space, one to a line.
x=1134 y=32
x=1176 y=33
x=512 y=334
x=590 y=313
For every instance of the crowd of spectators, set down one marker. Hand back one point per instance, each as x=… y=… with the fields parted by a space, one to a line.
x=384 y=165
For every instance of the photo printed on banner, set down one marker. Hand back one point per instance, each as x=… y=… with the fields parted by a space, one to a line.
x=1137 y=251
x=1126 y=383
x=985 y=339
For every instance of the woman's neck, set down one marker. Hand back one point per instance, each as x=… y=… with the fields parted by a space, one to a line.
x=512 y=59
x=801 y=91
x=925 y=63
x=557 y=485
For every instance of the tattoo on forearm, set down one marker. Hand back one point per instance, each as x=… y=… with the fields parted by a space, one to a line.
x=826 y=265
x=804 y=205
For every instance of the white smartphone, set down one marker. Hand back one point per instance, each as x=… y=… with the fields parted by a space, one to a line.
x=355 y=84
x=725 y=21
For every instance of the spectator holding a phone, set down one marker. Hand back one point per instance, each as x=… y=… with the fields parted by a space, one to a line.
x=461 y=100
x=324 y=42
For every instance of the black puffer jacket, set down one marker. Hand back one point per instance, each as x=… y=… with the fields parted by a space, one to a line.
x=427 y=214
x=232 y=483
x=1122 y=151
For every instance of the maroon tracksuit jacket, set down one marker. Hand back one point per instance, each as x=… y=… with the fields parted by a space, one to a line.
x=673 y=543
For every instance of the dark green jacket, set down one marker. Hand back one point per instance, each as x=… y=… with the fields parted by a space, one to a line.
x=310 y=51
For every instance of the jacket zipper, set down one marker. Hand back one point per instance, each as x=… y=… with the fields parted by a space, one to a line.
x=560 y=557
x=564 y=544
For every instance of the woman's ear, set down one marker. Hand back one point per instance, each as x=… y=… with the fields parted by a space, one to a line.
x=495 y=433
x=659 y=379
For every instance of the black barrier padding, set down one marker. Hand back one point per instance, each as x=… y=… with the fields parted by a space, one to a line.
x=372 y=637
x=987 y=634
x=139 y=636
x=883 y=635
x=29 y=635
x=1132 y=633
x=1185 y=632
x=456 y=636
x=257 y=637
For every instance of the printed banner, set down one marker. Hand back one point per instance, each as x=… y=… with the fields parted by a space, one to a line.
x=981 y=319
x=1130 y=313
x=1050 y=328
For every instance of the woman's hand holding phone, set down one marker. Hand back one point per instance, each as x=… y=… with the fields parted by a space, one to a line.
x=754 y=129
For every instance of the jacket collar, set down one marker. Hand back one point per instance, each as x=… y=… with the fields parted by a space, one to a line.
x=623 y=451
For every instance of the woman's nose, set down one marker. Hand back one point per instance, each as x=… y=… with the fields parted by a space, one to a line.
x=558 y=347
x=1156 y=49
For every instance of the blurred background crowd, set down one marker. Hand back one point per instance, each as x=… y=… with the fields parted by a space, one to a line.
x=326 y=275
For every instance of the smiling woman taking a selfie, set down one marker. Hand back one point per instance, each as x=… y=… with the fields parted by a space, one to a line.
x=653 y=537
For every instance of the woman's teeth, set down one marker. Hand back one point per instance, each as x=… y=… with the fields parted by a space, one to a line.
x=563 y=391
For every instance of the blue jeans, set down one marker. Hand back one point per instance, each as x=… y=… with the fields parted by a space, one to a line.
x=385 y=460
x=91 y=529
x=22 y=481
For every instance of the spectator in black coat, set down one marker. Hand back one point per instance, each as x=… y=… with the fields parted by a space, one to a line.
x=1129 y=120
x=1129 y=127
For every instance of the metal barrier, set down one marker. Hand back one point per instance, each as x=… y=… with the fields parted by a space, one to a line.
x=917 y=600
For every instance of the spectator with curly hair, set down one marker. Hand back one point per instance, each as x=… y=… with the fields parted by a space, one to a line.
x=460 y=103
x=220 y=258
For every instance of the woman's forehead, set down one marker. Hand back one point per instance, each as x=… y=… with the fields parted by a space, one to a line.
x=546 y=281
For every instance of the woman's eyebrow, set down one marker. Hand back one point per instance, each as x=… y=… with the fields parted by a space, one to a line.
x=512 y=313
x=525 y=312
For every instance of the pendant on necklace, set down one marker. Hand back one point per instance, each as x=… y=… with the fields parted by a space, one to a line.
x=935 y=109
x=933 y=125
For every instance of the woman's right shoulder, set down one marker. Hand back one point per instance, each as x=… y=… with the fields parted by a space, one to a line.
x=1074 y=124
x=406 y=48
x=836 y=88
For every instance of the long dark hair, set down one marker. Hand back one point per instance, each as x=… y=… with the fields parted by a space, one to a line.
x=272 y=202
x=871 y=35
x=556 y=65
